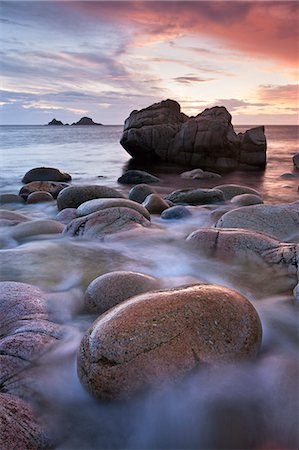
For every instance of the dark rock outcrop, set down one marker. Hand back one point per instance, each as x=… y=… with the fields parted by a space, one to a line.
x=45 y=174
x=86 y=121
x=207 y=140
x=55 y=122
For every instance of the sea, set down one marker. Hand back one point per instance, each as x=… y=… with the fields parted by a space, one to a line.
x=253 y=405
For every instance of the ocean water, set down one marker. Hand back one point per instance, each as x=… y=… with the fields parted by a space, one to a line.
x=93 y=155
x=252 y=405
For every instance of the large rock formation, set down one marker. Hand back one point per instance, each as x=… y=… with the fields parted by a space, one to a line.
x=207 y=140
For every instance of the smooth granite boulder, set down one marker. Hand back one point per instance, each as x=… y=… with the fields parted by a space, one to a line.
x=10 y=198
x=196 y=196
x=20 y=427
x=66 y=215
x=155 y=204
x=231 y=190
x=113 y=288
x=137 y=177
x=45 y=174
x=246 y=200
x=39 y=197
x=100 y=204
x=73 y=196
x=105 y=222
x=52 y=187
x=160 y=337
x=207 y=140
x=176 y=213
x=35 y=228
x=279 y=221
x=13 y=216
x=139 y=192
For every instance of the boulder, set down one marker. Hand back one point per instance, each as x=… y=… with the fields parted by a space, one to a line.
x=199 y=174
x=39 y=196
x=207 y=140
x=73 y=196
x=139 y=192
x=10 y=198
x=231 y=190
x=176 y=213
x=66 y=215
x=246 y=200
x=196 y=196
x=20 y=427
x=100 y=204
x=55 y=122
x=52 y=187
x=296 y=160
x=13 y=216
x=137 y=177
x=160 y=337
x=86 y=121
x=279 y=221
x=155 y=204
x=113 y=288
x=35 y=228
x=45 y=174
x=105 y=222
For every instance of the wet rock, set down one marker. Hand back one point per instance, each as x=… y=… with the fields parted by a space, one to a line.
x=51 y=187
x=74 y=196
x=252 y=258
x=13 y=216
x=113 y=288
x=246 y=200
x=137 y=177
x=160 y=337
x=289 y=176
x=155 y=204
x=176 y=213
x=10 y=198
x=280 y=221
x=207 y=140
x=66 y=215
x=35 y=228
x=105 y=222
x=20 y=428
x=45 y=174
x=199 y=174
x=39 y=197
x=196 y=196
x=139 y=192
x=296 y=160
x=231 y=190
x=92 y=206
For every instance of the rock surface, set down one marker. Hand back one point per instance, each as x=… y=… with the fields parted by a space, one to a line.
x=39 y=197
x=160 y=337
x=175 y=213
x=231 y=190
x=137 y=177
x=113 y=288
x=45 y=174
x=196 y=196
x=51 y=187
x=199 y=174
x=279 y=221
x=155 y=204
x=105 y=222
x=139 y=192
x=296 y=160
x=100 y=204
x=207 y=140
x=247 y=200
x=10 y=198
x=73 y=196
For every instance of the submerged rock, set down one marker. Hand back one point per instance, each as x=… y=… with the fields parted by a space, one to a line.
x=74 y=196
x=137 y=177
x=45 y=174
x=279 y=221
x=207 y=140
x=160 y=337
x=107 y=221
x=10 y=198
x=196 y=196
x=231 y=190
x=113 y=288
x=199 y=174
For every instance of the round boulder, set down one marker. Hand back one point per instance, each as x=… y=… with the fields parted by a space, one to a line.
x=231 y=190
x=74 y=196
x=52 y=187
x=155 y=204
x=10 y=198
x=99 y=204
x=162 y=336
x=139 y=192
x=176 y=213
x=246 y=200
x=137 y=177
x=39 y=196
x=36 y=228
x=45 y=174
x=66 y=215
x=113 y=288
x=196 y=196
x=107 y=221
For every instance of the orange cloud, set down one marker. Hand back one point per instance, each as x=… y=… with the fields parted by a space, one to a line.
x=285 y=96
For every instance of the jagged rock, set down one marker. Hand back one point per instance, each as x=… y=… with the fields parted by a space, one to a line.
x=45 y=174
x=162 y=336
x=137 y=177
x=86 y=121
x=74 y=196
x=207 y=140
x=55 y=122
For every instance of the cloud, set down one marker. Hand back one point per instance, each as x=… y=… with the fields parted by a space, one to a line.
x=285 y=95
x=191 y=79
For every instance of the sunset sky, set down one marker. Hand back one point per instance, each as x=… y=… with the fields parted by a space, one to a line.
x=67 y=59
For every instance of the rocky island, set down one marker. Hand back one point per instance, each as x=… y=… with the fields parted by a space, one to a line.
x=207 y=140
x=83 y=121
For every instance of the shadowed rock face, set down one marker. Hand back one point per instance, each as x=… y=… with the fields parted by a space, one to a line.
x=207 y=140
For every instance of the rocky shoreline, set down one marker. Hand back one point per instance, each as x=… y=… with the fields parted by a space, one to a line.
x=163 y=287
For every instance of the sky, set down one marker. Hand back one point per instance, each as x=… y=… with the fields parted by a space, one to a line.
x=103 y=59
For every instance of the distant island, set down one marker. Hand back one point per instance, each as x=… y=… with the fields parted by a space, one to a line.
x=82 y=121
